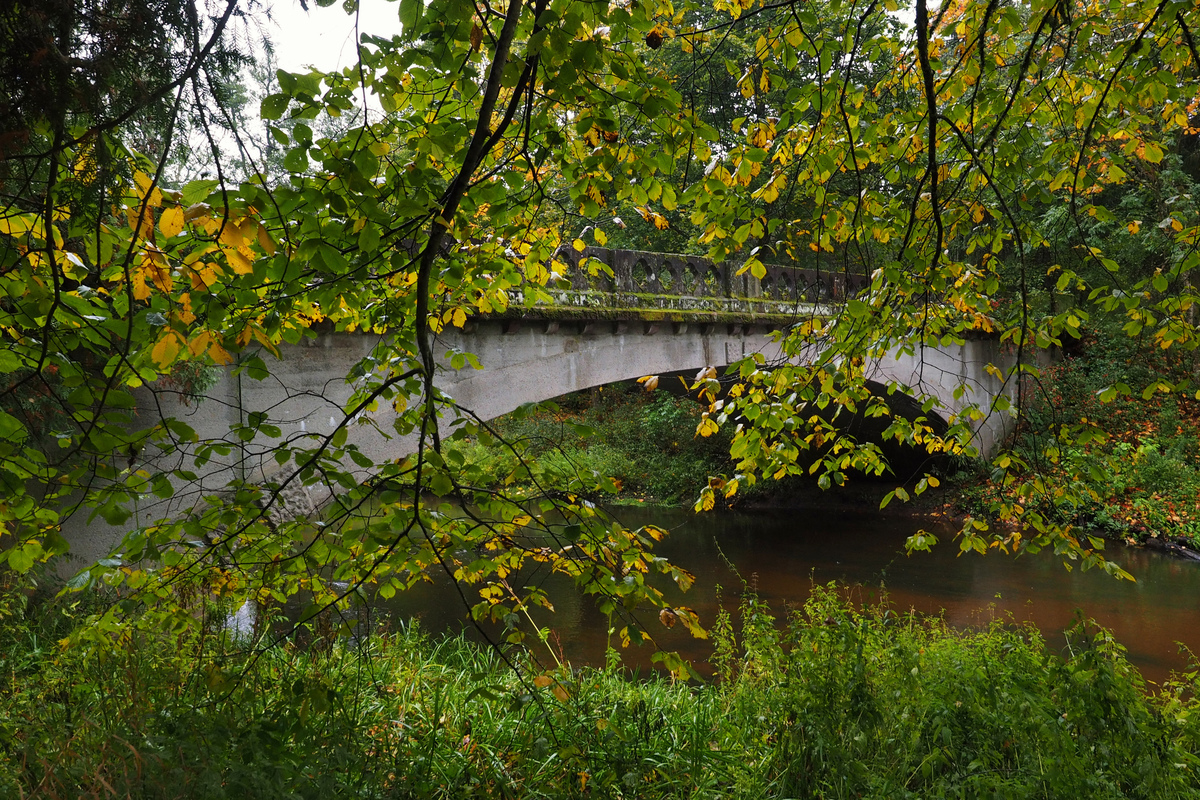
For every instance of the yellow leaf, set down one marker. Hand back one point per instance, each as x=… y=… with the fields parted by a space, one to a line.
x=185 y=313
x=262 y=338
x=769 y=193
x=199 y=253
x=72 y=265
x=207 y=341
x=144 y=182
x=154 y=266
x=601 y=237
x=199 y=343
x=204 y=275
x=171 y=221
x=18 y=224
x=197 y=211
x=231 y=234
x=238 y=260
x=248 y=230
x=579 y=245
x=137 y=282
x=141 y=222
x=166 y=350
x=1060 y=179
x=1134 y=226
x=460 y=318
x=265 y=241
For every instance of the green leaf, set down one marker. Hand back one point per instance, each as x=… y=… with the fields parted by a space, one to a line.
x=11 y=428
x=296 y=160
x=273 y=106
x=339 y=437
x=440 y=485
x=21 y=558
x=410 y=17
x=858 y=309
x=195 y=192
x=368 y=238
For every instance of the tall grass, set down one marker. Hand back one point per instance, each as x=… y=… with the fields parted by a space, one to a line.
x=832 y=701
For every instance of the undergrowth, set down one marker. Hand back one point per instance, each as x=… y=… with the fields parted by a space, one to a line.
x=616 y=440
x=832 y=701
x=1137 y=476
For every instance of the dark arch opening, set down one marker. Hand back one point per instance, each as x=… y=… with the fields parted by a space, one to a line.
x=907 y=462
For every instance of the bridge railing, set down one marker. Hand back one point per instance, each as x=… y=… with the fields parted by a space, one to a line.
x=637 y=279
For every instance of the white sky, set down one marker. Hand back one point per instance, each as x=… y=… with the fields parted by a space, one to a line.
x=324 y=37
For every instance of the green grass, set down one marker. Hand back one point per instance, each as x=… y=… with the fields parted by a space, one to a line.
x=831 y=701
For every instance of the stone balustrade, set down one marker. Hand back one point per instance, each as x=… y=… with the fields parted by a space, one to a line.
x=630 y=280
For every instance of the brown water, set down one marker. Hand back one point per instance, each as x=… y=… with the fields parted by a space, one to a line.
x=783 y=553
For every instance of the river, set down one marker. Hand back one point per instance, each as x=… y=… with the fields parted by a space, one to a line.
x=784 y=553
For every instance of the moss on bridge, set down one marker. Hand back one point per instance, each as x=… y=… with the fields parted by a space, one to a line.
x=650 y=308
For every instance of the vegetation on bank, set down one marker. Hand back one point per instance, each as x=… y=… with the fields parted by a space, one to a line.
x=829 y=702
x=1134 y=477
x=613 y=441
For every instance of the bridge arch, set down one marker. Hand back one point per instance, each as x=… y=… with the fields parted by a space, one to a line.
x=530 y=360
x=523 y=360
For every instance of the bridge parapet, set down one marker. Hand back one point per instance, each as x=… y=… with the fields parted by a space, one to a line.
x=603 y=278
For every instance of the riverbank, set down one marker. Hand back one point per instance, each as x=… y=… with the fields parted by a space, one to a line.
x=1135 y=474
x=617 y=444
x=833 y=702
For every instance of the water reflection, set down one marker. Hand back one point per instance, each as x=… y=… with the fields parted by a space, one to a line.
x=783 y=553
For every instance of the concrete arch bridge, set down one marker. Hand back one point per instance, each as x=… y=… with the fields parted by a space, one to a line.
x=654 y=314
